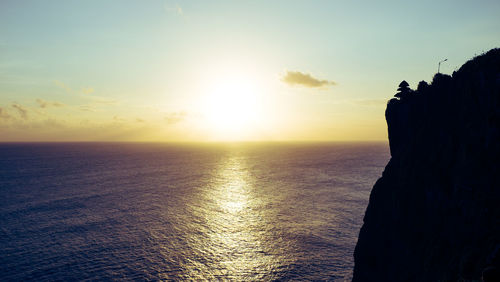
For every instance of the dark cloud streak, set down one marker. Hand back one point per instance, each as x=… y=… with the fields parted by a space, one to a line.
x=45 y=104
x=23 y=112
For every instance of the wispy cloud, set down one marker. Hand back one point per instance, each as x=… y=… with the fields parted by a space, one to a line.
x=295 y=78
x=175 y=9
x=179 y=10
x=84 y=90
x=118 y=119
x=174 y=118
x=102 y=100
x=62 y=85
x=4 y=115
x=23 y=112
x=47 y=124
x=88 y=90
x=45 y=104
x=96 y=103
x=86 y=108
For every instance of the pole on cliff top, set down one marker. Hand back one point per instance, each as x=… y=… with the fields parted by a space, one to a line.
x=439 y=65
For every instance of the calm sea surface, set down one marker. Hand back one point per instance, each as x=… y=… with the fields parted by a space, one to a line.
x=183 y=212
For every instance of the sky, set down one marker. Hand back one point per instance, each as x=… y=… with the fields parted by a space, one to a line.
x=223 y=70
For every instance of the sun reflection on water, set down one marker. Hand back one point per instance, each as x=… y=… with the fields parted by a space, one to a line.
x=233 y=193
x=235 y=225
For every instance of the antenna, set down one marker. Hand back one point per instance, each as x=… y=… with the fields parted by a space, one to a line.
x=439 y=65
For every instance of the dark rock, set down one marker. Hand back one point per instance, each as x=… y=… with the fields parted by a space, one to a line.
x=434 y=215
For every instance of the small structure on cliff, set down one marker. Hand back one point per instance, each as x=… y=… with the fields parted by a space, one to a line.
x=404 y=90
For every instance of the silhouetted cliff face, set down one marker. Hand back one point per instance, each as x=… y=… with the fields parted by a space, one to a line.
x=435 y=212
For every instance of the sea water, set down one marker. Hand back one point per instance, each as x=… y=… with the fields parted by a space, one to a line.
x=237 y=211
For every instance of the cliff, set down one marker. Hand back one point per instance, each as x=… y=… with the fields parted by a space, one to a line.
x=434 y=215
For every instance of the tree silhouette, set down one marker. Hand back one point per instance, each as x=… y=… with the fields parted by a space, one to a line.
x=422 y=85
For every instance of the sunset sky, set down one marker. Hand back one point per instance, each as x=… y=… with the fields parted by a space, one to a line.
x=223 y=70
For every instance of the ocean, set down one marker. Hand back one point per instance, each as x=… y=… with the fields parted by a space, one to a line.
x=147 y=211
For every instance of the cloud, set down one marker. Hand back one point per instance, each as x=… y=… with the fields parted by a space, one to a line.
x=45 y=104
x=61 y=85
x=96 y=103
x=118 y=119
x=304 y=79
x=84 y=90
x=177 y=9
x=103 y=101
x=88 y=90
x=48 y=124
x=86 y=108
x=4 y=115
x=51 y=129
x=139 y=120
x=23 y=112
x=174 y=118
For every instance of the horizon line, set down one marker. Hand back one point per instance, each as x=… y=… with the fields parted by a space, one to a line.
x=199 y=142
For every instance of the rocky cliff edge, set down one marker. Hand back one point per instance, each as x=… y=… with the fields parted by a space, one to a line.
x=434 y=215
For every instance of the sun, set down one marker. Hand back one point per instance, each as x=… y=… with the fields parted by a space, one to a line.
x=232 y=107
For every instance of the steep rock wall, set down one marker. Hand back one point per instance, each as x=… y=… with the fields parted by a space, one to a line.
x=434 y=215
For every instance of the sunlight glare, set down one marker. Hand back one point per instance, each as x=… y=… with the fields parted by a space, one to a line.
x=232 y=106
